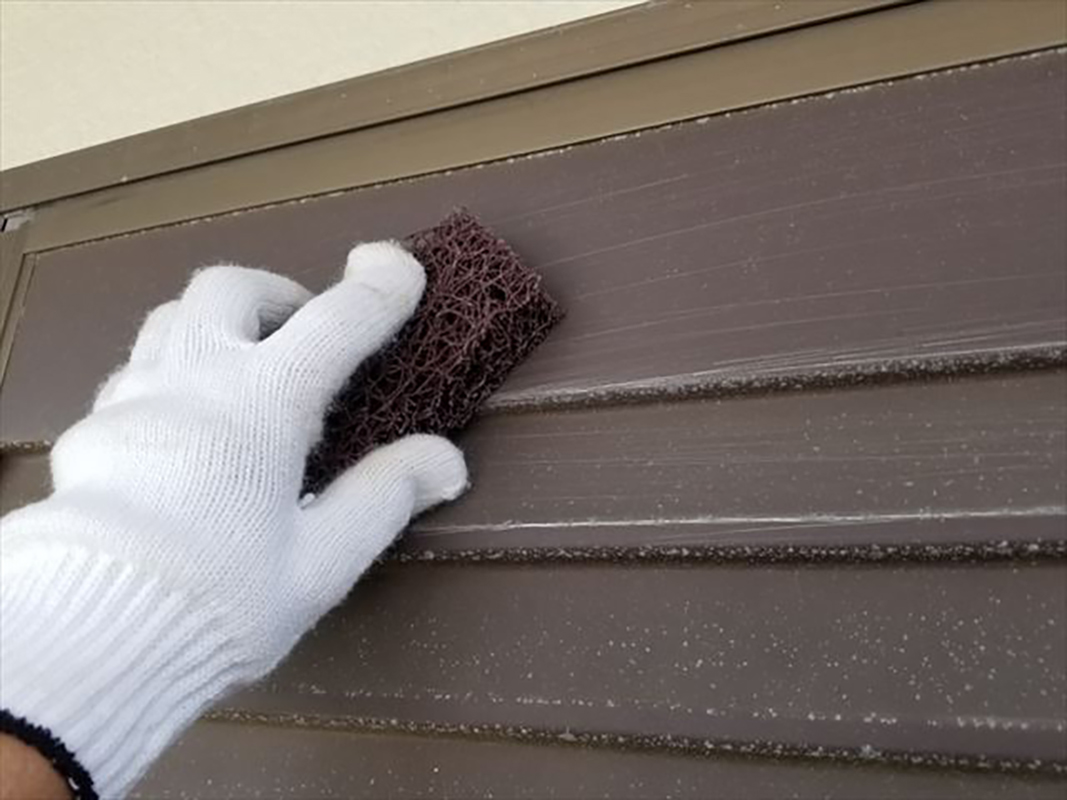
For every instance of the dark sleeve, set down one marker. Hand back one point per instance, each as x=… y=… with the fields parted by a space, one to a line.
x=52 y=748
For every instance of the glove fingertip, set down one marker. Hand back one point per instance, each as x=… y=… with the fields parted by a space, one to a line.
x=388 y=268
x=435 y=466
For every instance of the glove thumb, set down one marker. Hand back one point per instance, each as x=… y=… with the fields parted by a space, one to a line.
x=343 y=530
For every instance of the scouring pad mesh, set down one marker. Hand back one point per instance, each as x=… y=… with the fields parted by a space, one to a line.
x=483 y=312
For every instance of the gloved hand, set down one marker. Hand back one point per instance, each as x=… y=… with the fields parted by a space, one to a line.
x=175 y=559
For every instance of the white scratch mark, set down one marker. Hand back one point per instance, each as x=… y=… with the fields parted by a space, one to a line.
x=785 y=519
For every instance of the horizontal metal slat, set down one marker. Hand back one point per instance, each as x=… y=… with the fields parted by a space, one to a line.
x=943 y=664
x=221 y=760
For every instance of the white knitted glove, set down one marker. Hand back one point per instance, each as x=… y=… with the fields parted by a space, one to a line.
x=175 y=560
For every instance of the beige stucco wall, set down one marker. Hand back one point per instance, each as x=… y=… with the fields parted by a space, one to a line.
x=73 y=74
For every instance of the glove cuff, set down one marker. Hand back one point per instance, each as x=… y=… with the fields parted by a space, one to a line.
x=106 y=659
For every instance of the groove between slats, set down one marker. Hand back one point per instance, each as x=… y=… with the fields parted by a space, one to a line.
x=642 y=744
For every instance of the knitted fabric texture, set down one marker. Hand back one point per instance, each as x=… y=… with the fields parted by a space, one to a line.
x=175 y=560
x=482 y=314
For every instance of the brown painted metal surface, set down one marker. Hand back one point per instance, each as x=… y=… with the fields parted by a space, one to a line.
x=12 y=243
x=789 y=480
x=940 y=662
x=936 y=464
x=218 y=760
x=589 y=46
x=890 y=229
x=890 y=43
x=24 y=478
x=833 y=467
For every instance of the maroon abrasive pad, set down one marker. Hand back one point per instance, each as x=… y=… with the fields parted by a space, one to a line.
x=483 y=312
